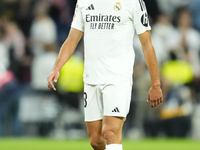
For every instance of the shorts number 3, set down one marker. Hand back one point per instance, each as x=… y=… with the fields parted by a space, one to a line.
x=85 y=99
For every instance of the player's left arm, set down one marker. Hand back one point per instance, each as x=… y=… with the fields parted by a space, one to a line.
x=155 y=92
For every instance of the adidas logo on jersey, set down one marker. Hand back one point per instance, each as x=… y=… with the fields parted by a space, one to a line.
x=115 y=110
x=91 y=7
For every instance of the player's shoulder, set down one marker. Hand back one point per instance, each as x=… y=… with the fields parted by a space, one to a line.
x=139 y=4
x=134 y=3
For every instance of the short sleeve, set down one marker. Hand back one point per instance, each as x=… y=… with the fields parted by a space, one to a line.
x=78 y=22
x=140 y=17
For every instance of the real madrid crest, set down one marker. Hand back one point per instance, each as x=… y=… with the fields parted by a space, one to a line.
x=117 y=6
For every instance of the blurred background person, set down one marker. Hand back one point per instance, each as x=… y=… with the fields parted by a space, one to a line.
x=43 y=29
x=188 y=40
x=15 y=42
x=9 y=91
x=43 y=45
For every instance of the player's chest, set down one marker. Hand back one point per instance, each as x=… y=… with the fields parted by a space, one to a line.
x=106 y=11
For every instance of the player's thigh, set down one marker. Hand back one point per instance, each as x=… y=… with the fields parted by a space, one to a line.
x=112 y=129
x=113 y=123
x=94 y=128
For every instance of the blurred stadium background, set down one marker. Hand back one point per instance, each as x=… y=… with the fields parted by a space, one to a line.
x=31 y=32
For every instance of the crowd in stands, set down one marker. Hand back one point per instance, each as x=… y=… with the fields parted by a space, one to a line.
x=31 y=33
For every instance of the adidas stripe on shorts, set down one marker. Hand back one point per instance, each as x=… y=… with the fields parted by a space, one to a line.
x=107 y=100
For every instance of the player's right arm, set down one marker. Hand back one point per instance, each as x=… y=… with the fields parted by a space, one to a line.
x=66 y=50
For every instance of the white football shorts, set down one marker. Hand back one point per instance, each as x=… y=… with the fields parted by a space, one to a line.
x=107 y=100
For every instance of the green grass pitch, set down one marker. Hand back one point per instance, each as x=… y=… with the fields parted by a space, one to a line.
x=49 y=144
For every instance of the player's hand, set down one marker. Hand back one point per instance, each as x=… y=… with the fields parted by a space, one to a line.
x=155 y=96
x=53 y=77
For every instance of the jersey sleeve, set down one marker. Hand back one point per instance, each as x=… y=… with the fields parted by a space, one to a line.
x=78 y=22
x=140 y=17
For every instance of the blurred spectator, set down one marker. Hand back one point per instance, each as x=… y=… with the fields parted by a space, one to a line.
x=9 y=94
x=43 y=29
x=164 y=37
x=15 y=42
x=43 y=38
x=164 y=30
x=188 y=40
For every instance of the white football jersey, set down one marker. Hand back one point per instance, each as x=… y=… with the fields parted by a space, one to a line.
x=109 y=27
